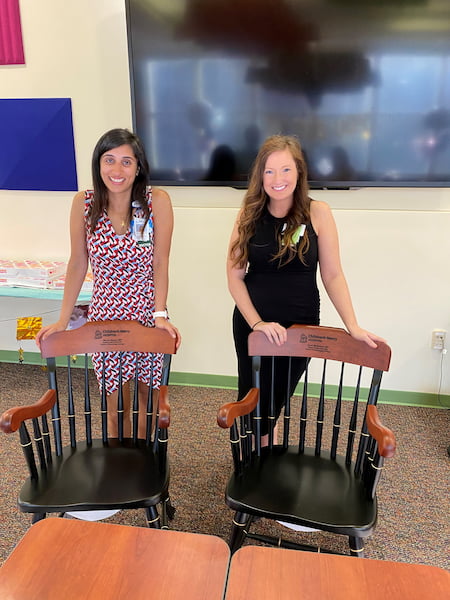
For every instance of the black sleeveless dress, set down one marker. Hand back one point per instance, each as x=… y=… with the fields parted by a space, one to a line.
x=286 y=294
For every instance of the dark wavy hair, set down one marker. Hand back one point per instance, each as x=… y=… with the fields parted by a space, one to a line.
x=256 y=199
x=109 y=140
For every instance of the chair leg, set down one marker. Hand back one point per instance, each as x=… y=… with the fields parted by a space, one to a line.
x=37 y=517
x=168 y=511
x=164 y=517
x=239 y=530
x=356 y=546
x=153 y=519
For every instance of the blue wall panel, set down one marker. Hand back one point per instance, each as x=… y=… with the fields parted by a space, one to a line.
x=37 y=149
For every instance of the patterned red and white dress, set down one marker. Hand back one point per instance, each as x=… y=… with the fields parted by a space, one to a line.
x=123 y=289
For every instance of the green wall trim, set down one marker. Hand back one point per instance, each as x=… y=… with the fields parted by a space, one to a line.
x=34 y=358
x=229 y=382
x=427 y=400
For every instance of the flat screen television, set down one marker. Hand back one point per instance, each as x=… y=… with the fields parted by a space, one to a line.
x=364 y=84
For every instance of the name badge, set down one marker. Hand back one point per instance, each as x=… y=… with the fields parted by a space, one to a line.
x=141 y=231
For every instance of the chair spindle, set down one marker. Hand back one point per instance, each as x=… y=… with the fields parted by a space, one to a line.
x=87 y=403
x=320 y=411
x=256 y=362
x=38 y=440
x=303 y=413
x=104 y=402
x=271 y=422
x=46 y=438
x=135 y=407
x=287 y=409
x=120 y=408
x=70 y=405
x=235 y=450
x=56 y=415
x=27 y=447
x=247 y=443
x=364 y=439
x=337 y=416
x=353 y=421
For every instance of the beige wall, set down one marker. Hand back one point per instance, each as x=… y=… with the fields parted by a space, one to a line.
x=395 y=243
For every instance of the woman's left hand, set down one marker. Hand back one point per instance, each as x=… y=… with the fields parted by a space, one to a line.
x=162 y=323
x=366 y=336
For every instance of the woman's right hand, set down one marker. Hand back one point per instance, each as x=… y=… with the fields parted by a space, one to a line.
x=48 y=330
x=274 y=332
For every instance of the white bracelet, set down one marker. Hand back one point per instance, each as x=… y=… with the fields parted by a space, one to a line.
x=160 y=313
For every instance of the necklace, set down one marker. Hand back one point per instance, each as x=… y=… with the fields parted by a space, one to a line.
x=124 y=220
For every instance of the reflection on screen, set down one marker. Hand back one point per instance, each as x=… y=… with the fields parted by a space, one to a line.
x=366 y=88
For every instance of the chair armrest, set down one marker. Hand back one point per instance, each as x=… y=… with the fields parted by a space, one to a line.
x=12 y=418
x=163 y=407
x=385 y=437
x=228 y=412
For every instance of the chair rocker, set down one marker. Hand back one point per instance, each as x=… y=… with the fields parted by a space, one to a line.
x=324 y=474
x=73 y=464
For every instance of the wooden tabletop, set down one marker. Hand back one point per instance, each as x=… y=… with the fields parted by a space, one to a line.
x=66 y=559
x=260 y=573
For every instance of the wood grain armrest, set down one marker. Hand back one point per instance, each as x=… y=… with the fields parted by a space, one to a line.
x=164 y=407
x=385 y=437
x=12 y=418
x=228 y=412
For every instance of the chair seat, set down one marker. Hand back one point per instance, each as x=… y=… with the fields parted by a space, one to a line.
x=97 y=477
x=304 y=489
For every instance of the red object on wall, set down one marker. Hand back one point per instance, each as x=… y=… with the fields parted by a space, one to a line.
x=11 y=47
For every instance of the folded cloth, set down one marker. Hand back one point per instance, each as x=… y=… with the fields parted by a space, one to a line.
x=297 y=527
x=92 y=515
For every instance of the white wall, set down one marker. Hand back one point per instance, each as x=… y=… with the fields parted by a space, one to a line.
x=395 y=243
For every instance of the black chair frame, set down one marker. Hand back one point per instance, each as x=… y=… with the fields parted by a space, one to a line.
x=350 y=467
x=62 y=445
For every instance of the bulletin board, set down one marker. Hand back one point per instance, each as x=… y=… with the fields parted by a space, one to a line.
x=37 y=150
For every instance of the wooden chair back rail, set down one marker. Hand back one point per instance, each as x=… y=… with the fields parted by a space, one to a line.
x=112 y=336
x=315 y=341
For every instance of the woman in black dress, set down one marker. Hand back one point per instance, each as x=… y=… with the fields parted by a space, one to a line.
x=279 y=238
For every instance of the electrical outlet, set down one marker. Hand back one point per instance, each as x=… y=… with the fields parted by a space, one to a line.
x=438 y=339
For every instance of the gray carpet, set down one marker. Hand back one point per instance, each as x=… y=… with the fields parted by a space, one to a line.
x=413 y=494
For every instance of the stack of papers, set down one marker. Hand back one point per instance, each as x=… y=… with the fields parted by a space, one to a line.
x=40 y=274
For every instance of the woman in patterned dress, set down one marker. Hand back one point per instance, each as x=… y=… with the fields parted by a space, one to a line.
x=124 y=229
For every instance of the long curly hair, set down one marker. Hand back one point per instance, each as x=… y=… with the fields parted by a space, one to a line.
x=109 y=140
x=256 y=199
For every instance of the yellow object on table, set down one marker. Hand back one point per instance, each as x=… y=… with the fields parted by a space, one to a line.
x=27 y=327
